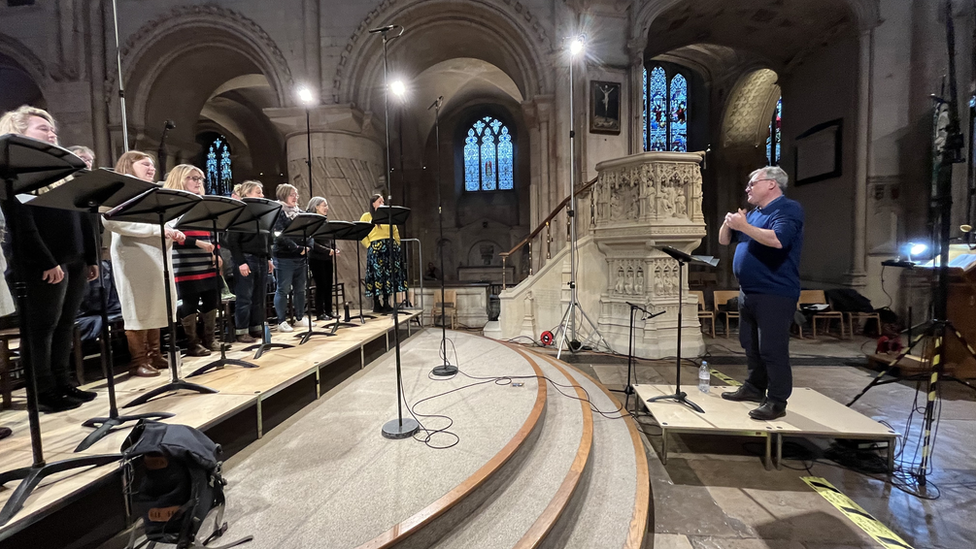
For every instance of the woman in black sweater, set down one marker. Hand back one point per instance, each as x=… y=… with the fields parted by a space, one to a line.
x=320 y=263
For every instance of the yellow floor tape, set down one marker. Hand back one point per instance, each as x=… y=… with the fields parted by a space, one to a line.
x=881 y=533
x=728 y=380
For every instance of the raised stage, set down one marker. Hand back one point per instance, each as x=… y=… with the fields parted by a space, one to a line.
x=533 y=465
x=809 y=414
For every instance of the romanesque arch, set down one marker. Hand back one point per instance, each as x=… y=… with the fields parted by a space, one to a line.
x=502 y=33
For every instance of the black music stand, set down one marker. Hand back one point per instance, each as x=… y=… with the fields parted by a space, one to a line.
x=259 y=216
x=399 y=427
x=682 y=259
x=158 y=206
x=304 y=225
x=329 y=230
x=358 y=231
x=215 y=214
x=90 y=192
x=26 y=165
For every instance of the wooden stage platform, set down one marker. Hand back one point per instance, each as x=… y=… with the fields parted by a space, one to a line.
x=87 y=504
x=809 y=414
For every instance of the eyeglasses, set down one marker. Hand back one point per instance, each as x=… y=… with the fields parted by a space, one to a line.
x=196 y=178
x=752 y=184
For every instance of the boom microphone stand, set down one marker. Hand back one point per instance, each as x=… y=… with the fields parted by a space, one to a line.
x=629 y=389
x=26 y=165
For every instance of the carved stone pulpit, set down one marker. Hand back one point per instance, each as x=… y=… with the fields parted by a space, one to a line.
x=642 y=202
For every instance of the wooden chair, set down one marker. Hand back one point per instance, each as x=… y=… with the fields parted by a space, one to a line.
x=817 y=297
x=865 y=316
x=450 y=307
x=721 y=297
x=703 y=311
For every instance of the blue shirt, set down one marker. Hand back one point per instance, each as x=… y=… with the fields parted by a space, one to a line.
x=764 y=270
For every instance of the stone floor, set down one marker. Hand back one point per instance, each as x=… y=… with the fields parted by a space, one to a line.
x=715 y=493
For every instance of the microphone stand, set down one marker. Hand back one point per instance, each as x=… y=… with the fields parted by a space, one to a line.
x=445 y=369
x=629 y=389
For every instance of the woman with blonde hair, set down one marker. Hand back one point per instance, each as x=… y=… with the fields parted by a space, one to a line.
x=289 y=262
x=59 y=257
x=137 y=263
x=194 y=270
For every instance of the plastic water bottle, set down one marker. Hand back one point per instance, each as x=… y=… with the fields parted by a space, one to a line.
x=704 y=377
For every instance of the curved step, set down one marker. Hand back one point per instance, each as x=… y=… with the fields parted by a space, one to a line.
x=431 y=523
x=616 y=489
x=521 y=513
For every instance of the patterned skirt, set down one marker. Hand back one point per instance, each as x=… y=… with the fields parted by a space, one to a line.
x=379 y=271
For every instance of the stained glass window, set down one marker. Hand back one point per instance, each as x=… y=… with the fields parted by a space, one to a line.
x=219 y=173
x=489 y=156
x=774 y=141
x=665 y=114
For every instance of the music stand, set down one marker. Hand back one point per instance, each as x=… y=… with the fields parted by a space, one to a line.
x=303 y=225
x=259 y=216
x=329 y=230
x=90 y=192
x=399 y=427
x=26 y=165
x=215 y=214
x=682 y=259
x=158 y=206
x=358 y=231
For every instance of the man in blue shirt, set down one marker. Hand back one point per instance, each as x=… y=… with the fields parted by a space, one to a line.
x=766 y=264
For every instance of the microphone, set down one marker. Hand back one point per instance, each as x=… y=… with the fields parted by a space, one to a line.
x=383 y=29
x=170 y=125
x=437 y=103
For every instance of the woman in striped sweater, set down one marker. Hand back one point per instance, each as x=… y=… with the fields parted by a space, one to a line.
x=195 y=270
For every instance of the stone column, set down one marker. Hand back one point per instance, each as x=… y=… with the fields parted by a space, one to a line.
x=856 y=276
x=347 y=162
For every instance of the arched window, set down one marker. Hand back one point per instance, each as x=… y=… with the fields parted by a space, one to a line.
x=219 y=174
x=774 y=141
x=665 y=110
x=489 y=156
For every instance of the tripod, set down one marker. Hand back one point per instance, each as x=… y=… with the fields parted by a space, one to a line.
x=948 y=147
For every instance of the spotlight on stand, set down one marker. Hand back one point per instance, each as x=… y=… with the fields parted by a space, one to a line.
x=305 y=96
x=577 y=45
x=916 y=251
x=398 y=88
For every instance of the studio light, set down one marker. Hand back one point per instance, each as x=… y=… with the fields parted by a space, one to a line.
x=398 y=88
x=305 y=95
x=577 y=45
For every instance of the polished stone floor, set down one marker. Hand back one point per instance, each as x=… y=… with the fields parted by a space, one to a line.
x=714 y=492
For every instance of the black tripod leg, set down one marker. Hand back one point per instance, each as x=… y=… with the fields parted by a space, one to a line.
x=891 y=366
x=168 y=388
x=32 y=476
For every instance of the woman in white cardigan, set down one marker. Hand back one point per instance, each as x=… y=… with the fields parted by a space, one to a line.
x=137 y=265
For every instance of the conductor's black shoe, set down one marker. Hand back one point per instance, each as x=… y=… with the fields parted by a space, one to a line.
x=768 y=411
x=743 y=393
x=78 y=394
x=54 y=402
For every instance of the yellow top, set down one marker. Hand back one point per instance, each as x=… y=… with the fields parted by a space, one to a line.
x=379 y=232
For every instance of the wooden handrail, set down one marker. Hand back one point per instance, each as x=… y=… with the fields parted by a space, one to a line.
x=546 y=221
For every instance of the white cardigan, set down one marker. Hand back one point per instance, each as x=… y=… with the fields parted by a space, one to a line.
x=137 y=267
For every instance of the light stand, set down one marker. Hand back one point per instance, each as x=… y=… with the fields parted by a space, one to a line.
x=25 y=165
x=87 y=193
x=118 y=64
x=567 y=326
x=445 y=369
x=682 y=259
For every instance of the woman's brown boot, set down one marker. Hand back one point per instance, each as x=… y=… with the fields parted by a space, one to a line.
x=209 y=330
x=156 y=358
x=139 y=366
x=193 y=347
